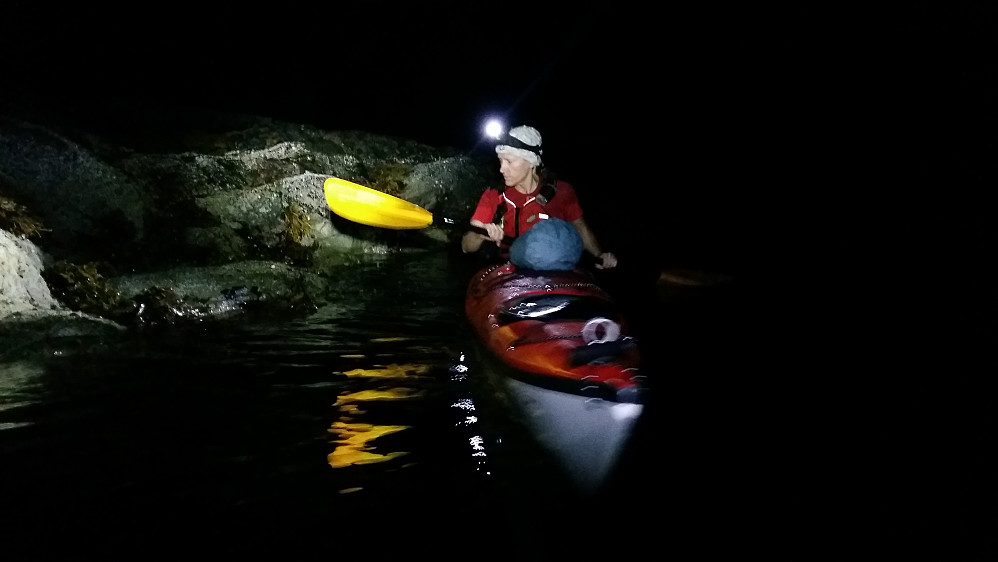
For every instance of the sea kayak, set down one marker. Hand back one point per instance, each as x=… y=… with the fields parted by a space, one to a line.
x=560 y=349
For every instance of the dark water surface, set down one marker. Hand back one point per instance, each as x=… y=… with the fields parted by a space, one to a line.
x=346 y=432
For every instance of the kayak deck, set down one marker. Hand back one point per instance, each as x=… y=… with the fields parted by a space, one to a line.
x=560 y=349
x=557 y=330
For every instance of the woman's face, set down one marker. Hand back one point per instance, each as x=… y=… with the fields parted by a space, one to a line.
x=514 y=169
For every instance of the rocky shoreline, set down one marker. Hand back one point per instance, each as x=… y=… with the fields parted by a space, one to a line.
x=99 y=235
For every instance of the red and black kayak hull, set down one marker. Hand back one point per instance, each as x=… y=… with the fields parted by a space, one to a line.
x=560 y=348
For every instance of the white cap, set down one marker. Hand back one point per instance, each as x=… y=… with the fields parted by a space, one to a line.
x=528 y=137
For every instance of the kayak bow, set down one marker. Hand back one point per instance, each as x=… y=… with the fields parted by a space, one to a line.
x=558 y=346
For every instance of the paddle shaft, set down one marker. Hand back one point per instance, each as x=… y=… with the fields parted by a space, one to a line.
x=508 y=240
x=586 y=257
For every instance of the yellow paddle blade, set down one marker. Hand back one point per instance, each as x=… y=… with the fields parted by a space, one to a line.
x=372 y=207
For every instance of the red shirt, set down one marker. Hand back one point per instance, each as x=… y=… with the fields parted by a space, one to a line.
x=564 y=205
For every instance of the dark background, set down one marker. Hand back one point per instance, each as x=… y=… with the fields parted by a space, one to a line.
x=841 y=155
x=643 y=110
x=710 y=136
x=703 y=131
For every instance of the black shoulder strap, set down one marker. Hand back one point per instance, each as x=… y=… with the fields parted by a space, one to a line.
x=501 y=206
x=549 y=186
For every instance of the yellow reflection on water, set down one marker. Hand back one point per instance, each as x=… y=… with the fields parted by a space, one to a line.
x=393 y=370
x=355 y=440
x=353 y=443
x=380 y=394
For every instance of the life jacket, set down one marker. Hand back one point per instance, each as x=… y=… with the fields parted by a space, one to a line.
x=547 y=191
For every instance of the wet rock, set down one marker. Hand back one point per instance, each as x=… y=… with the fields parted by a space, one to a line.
x=208 y=225
x=22 y=287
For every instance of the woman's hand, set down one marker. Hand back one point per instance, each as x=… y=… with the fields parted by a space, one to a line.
x=495 y=232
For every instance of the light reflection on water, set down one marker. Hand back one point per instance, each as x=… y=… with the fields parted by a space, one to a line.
x=367 y=428
x=355 y=441
x=357 y=425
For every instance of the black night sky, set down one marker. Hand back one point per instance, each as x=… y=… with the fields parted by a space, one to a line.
x=711 y=123
x=649 y=103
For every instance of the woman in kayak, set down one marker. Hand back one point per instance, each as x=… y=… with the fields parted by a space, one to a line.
x=530 y=194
